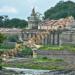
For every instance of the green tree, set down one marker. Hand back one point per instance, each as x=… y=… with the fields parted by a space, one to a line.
x=2 y=38
x=14 y=22
x=1 y=21
x=61 y=10
x=17 y=23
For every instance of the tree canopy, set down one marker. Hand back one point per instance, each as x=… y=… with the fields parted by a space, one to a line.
x=2 y=38
x=61 y=10
x=14 y=22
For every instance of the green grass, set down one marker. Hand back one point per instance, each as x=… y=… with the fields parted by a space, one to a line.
x=48 y=47
x=55 y=47
x=35 y=66
x=48 y=60
x=39 y=63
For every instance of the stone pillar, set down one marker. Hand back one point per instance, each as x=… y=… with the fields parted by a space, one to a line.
x=71 y=39
x=58 y=38
x=45 y=40
x=25 y=35
x=49 y=38
x=29 y=35
x=53 y=38
x=42 y=41
x=36 y=39
x=22 y=35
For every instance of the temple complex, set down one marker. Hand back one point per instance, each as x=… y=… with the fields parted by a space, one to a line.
x=45 y=32
x=49 y=32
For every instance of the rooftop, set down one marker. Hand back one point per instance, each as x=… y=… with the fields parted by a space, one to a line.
x=64 y=21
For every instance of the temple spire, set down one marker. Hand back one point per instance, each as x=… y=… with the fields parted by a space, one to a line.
x=33 y=12
x=33 y=20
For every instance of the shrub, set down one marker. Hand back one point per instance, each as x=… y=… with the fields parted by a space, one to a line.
x=26 y=51
x=44 y=58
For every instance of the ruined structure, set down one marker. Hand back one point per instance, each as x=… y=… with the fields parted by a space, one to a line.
x=50 y=32
x=42 y=37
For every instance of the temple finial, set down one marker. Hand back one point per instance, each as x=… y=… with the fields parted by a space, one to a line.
x=33 y=12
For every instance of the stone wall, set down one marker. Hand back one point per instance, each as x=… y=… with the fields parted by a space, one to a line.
x=68 y=37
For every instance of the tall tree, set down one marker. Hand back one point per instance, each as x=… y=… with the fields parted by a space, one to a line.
x=1 y=21
x=61 y=10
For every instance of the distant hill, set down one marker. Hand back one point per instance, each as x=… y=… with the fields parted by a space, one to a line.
x=61 y=10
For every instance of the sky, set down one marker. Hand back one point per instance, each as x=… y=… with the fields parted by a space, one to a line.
x=22 y=8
